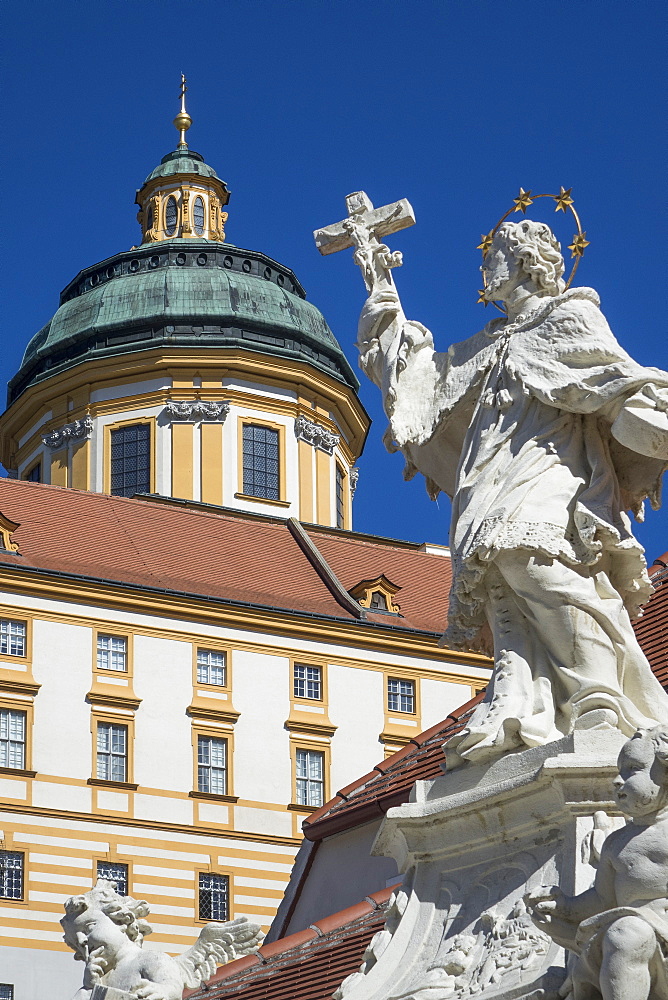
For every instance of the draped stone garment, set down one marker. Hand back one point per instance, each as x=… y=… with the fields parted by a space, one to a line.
x=514 y=425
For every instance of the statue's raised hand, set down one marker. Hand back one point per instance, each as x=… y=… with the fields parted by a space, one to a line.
x=544 y=904
x=96 y=966
x=380 y=309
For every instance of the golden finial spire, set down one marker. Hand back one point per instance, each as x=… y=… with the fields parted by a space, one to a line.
x=183 y=121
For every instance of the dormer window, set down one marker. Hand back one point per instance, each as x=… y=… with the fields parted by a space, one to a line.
x=378 y=601
x=170 y=216
x=377 y=595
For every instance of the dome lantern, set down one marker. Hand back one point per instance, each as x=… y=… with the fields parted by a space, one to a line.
x=183 y=197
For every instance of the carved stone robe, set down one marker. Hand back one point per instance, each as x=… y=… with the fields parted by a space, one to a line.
x=514 y=425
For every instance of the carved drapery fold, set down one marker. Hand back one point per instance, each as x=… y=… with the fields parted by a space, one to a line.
x=315 y=434
x=78 y=430
x=196 y=409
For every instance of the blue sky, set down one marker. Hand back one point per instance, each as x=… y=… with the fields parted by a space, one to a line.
x=296 y=103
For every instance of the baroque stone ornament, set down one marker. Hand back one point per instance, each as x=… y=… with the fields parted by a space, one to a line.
x=476 y=845
x=196 y=409
x=617 y=931
x=544 y=432
x=354 y=479
x=78 y=430
x=106 y=931
x=315 y=434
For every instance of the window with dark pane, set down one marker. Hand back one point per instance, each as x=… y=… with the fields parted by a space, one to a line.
x=35 y=474
x=400 y=695
x=214 y=896
x=149 y=218
x=378 y=601
x=12 y=738
x=170 y=216
x=11 y=875
x=131 y=460
x=340 y=504
x=261 y=462
x=114 y=872
x=198 y=216
x=6 y=991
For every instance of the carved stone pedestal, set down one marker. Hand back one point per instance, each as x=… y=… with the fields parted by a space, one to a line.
x=471 y=844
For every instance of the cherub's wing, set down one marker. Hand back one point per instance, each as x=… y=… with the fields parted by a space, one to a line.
x=216 y=945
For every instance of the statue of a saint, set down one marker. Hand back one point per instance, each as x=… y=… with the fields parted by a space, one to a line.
x=544 y=432
x=617 y=931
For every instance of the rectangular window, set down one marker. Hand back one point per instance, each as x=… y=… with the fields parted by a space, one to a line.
x=114 y=872
x=261 y=462
x=12 y=637
x=400 y=696
x=12 y=738
x=11 y=875
x=112 y=652
x=112 y=751
x=340 y=504
x=211 y=667
x=211 y=765
x=214 y=897
x=307 y=681
x=34 y=476
x=6 y=991
x=310 y=778
x=131 y=460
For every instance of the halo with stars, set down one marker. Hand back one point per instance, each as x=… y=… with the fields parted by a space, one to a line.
x=520 y=204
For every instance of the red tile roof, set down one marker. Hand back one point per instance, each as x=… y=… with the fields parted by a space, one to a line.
x=210 y=552
x=652 y=628
x=390 y=782
x=309 y=965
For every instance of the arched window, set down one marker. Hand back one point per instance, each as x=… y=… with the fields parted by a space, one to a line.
x=198 y=216
x=170 y=216
x=149 y=218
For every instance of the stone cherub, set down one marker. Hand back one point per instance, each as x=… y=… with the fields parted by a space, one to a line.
x=107 y=930
x=618 y=929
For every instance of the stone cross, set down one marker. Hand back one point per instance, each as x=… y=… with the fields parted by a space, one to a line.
x=364 y=229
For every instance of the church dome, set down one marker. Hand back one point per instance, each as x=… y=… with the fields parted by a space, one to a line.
x=182 y=293
x=182 y=162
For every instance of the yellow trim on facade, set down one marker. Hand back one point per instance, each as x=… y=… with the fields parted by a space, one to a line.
x=58 y=472
x=182 y=460
x=81 y=466
x=305 y=462
x=211 y=463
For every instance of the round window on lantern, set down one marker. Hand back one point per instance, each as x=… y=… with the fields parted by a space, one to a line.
x=198 y=216
x=170 y=217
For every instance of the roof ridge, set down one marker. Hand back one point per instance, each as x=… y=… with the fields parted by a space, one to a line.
x=324 y=570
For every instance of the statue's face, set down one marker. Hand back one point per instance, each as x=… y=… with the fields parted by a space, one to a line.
x=94 y=929
x=640 y=787
x=501 y=270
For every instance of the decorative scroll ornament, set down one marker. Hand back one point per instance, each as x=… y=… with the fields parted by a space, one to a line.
x=315 y=434
x=196 y=409
x=78 y=430
x=353 y=479
x=520 y=204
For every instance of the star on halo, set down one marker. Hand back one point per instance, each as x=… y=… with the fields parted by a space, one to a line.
x=580 y=242
x=523 y=201
x=563 y=199
x=486 y=242
x=481 y=297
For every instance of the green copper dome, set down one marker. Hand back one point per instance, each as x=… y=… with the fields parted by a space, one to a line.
x=182 y=161
x=182 y=293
